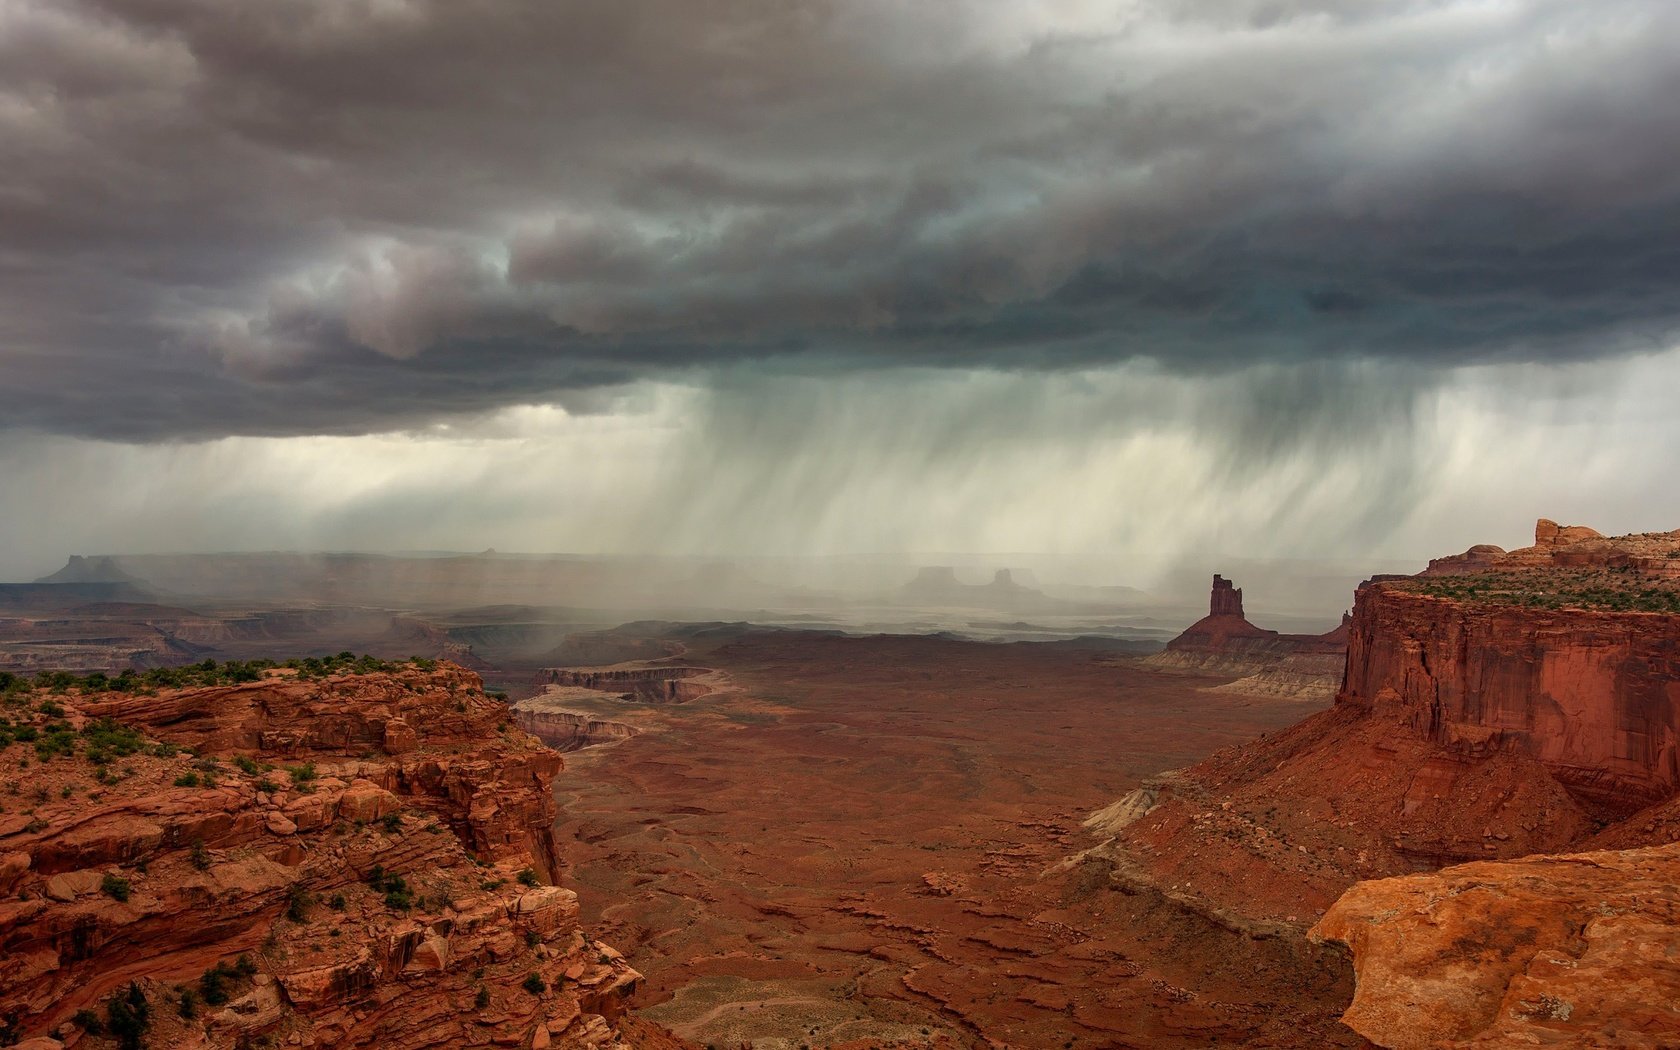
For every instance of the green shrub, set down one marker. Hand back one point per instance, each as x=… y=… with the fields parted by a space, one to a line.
x=213 y=985
x=527 y=877
x=89 y=1022
x=127 y=1016
x=534 y=984
x=189 y=779
x=115 y=887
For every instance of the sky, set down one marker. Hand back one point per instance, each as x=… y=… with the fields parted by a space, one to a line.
x=1141 y=279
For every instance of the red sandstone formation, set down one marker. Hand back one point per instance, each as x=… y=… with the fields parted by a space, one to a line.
x=569 y=730
x=1297 y=666
x=1593 y=695
x=379 y=848
x=1574 y=950
x=651 y=683
x=1226 y=599
x=1652 y=554
x=1496 y=706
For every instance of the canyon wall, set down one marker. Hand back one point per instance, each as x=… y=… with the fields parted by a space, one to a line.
x=365 y=860
x=652 y=684
x=1507 y=708
x=1593 y=694
x=570 y=730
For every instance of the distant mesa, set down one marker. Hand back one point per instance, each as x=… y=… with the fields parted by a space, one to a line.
x=100 y=569
x=937 y=585
x=1548 y=533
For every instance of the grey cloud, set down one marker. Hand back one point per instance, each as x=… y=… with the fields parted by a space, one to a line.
x=338 y=217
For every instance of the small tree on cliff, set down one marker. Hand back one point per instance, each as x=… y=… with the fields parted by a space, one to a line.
x=127 y=1016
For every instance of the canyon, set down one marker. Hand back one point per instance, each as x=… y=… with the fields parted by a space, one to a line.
x=1465 y=835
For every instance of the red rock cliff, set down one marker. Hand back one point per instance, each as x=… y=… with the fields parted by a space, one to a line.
x=1593 y=694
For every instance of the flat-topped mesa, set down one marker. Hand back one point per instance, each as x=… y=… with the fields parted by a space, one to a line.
x=649 y=683
x=1567 y=651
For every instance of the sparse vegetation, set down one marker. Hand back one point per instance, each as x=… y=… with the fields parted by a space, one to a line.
x=1605 y=589
x=204 y=673
x=298 y=902
x=213 y=984
x=116 y=887
x=398 y=895
x=527 y=877
x=89 y=1022
x=127 y=1016
x=534 y=983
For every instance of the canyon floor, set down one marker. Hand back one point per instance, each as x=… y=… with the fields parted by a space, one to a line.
x=857 y=840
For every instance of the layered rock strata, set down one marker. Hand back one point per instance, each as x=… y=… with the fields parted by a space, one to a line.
x=636 y=682
x=1500 y=712
x=364 y=860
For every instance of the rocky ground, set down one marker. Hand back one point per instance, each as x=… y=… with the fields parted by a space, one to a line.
x=352 y=859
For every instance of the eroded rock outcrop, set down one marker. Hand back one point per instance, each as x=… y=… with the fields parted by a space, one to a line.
x=1506 y=709
x=649 y=683
x=377 y=848
x=1574 y=950
x=1298 y=666
x=570 y=730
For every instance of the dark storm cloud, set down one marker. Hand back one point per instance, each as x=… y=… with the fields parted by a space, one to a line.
x=307 y=216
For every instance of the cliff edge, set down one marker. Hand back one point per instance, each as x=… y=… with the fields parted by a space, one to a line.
x=309 y=858
x=1499 y=713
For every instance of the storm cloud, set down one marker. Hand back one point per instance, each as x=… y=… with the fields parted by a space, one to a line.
x=332 y=217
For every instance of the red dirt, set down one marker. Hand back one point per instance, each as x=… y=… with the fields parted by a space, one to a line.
x=853 y=844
